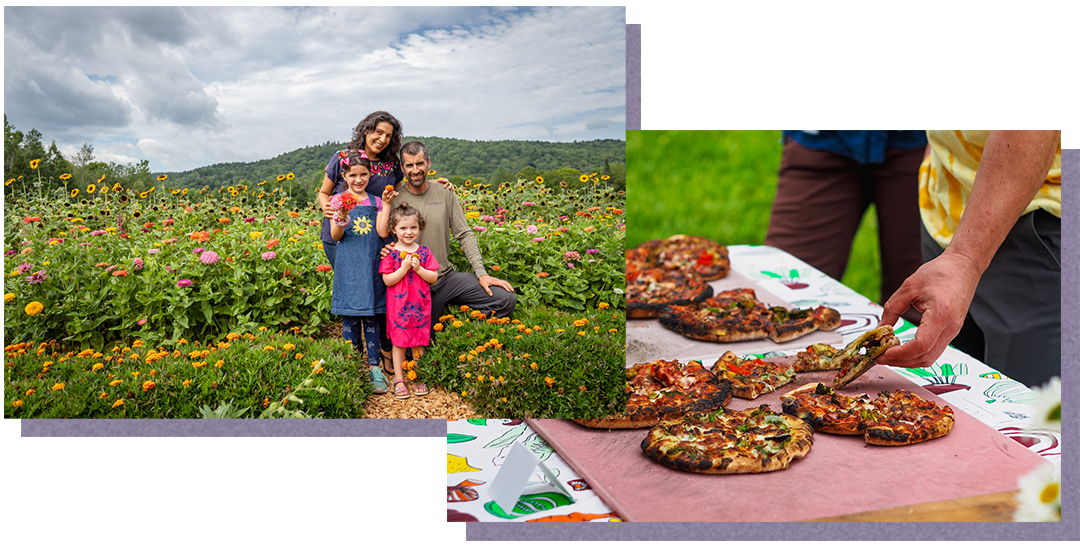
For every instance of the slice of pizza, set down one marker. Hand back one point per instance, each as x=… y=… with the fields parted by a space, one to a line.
x=650 y=291
x=751 y=378
x=828 y=411
x=816 y=358
x=788 y=324
x=695 y=254
x=732 y=315
x=862 y=354
x=665 y=390
x=905 y=418
x=730 y=442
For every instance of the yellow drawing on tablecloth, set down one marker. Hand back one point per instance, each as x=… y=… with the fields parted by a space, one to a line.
x=458 y=464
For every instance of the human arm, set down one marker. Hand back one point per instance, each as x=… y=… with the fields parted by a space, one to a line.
x=428 y=275
x=382 y=221
x=445 y=183
x=1013 y=167
x=326 y=191
x=394 y=277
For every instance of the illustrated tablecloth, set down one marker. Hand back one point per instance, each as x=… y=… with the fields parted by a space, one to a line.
x=477 y=447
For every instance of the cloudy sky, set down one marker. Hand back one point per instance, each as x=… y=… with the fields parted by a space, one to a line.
x=188 y=87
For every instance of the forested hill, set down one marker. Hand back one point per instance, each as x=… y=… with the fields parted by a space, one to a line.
x=456 y=159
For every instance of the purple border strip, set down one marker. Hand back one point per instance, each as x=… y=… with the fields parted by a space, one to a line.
x=233 y=428
x=1067 y=530
x=633 y=77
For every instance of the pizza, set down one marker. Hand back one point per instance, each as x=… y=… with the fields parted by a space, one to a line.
x=816 y=358
x=691 y=254
x=730 y=442
x=862 y=354
x=672 y=271
x=905 y=418
x=737 y=315
x=649 y=291
x=896 y=418
x=751 y=378
x=665 y=390
x=828 y=411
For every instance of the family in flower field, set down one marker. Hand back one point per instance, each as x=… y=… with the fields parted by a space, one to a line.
x=390 y=251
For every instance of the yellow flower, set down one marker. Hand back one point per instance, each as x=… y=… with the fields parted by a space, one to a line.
x=457 y=324
x=30 y=392
x=472 y=215
x=187 y=383
x=8 y=297
x=256 y=235
x=219 y=363
x=34 y=163
x=539 y=179
x=299 y=356
x=16 y=404
x=65 y=176
x=58 y=387
x=431 y=172
x=581 y=333
x=549 y=381
x=162 y=177
x=91 y=188
x=115 y=382
x=290 y=176
x=97 y=367
x=34 y=308
x=602 y=305
x=288 y=346
x=147 y=385
x=118 y=403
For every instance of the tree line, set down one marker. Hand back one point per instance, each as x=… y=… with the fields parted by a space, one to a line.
x=558 y=165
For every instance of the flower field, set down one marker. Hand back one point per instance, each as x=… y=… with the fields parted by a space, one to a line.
x=91 y=271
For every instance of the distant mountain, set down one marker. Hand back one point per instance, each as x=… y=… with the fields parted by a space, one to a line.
x=456 y=159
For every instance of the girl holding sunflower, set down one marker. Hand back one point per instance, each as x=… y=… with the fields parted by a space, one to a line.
x=359 y=294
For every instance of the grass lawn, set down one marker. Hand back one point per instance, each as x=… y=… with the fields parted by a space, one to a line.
x=720 y=184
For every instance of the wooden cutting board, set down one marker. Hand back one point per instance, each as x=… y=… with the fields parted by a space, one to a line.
x=647 y=340
x=840 y=475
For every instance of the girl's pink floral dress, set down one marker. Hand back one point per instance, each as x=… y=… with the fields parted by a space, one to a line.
x=408 y=303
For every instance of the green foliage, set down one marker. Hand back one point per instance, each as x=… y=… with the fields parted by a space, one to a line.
x=187 y=380
x=543 y=364
x=563 y=248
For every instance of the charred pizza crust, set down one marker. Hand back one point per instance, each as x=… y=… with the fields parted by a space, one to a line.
x=751 y=378
x=828 y=411
x=649 y=291
x=730 y=442
x=665 y=390
x=737 y=315
x=862 y=354
x=897 y=418
x=692 y=254
x=816 y=358
x=907 y=419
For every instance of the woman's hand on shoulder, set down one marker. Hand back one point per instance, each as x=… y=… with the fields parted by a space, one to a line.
x=386 y=250
x=445 y=183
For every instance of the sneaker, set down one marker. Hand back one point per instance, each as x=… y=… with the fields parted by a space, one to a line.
x=378 y=380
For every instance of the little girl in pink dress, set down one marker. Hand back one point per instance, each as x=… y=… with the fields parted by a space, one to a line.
x=408 y=270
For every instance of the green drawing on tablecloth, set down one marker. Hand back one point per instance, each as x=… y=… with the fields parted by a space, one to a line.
x=475 y=421
x=507 y=437
x=791 y=280
x=1008 y=390
x=457 y=438
x=529 y=504
x=994 y=375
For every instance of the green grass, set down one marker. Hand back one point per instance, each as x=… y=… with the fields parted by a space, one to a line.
x=720 y=185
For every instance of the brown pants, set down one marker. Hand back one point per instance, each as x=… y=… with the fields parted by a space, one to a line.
x=821 y=198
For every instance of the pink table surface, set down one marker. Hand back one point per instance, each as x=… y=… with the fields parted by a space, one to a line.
x=840 y=475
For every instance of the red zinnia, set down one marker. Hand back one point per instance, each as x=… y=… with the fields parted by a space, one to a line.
x=324 y=268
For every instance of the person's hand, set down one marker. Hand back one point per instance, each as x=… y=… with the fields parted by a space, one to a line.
x=487 y=280
x=389 y=194
x=386 y=250
x=328 y=212
x=942 y=290
x=445 y=183
x=414 y=262
x=338 y=217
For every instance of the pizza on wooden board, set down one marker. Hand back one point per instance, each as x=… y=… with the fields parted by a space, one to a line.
x=737 y=315
x=730 y=442
x=751 y=378
x=897 y=418
x=665 y=390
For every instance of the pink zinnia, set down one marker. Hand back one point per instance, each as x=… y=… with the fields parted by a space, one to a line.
x=209 y=258
x=531 y=229
x=344 y=201
x=481 y=229
x=539 y=239
x=594 y=251
x=269 y=255
x=183 y=283
x=138 y=263
x=142 y=321
x=153 y=251
x=198 y=250
x=528 y=203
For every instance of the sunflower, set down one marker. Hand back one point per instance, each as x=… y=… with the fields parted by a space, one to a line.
x=540 y=180
x=137 y=214
x=563 y=183
x=289 y=176
x=9 y=182
x=263 y=182
x=74 y=192
x=431 y=172
x=123 y=198
x=162 y=177
x=117 y=188
x=584 y=178
x=90 y=188
x=104 y=189
x=102 y=178
x=281 y=178
x=65 y=176
x=34 y=163
x=143 y=194
x=605 y=177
